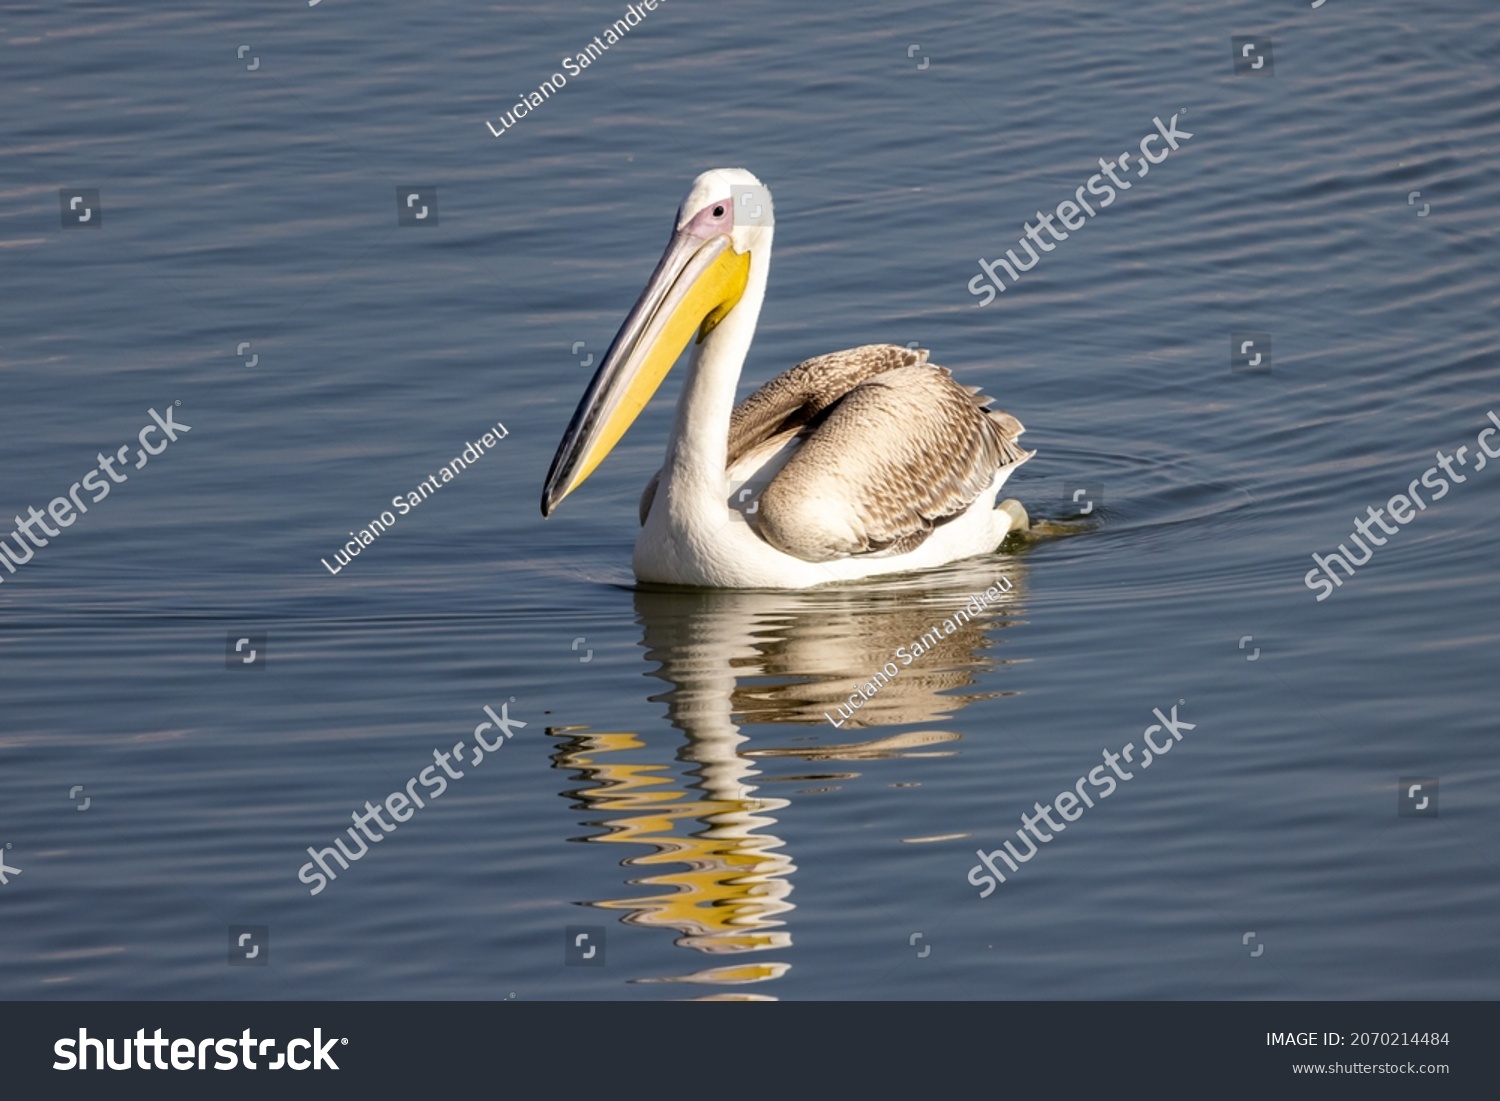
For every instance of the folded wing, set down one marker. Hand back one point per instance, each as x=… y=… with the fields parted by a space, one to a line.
x=884 y=447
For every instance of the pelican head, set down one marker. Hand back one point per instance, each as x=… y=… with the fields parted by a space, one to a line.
x=725 y=219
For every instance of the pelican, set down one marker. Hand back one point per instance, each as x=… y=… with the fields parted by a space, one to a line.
x=852 y=464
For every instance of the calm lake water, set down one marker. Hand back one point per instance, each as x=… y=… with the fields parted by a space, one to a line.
x=676 y=792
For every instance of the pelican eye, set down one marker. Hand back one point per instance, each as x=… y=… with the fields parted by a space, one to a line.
x=718 y=212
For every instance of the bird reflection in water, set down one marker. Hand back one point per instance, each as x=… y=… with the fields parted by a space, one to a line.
x=714 y=870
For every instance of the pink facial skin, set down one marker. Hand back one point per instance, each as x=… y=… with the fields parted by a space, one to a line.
x=715 y=218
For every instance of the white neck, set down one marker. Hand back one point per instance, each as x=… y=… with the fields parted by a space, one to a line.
x=694 y=474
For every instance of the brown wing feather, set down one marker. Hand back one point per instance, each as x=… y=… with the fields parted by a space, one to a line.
x=892 y=447
x=797 y=397
x=900 y=453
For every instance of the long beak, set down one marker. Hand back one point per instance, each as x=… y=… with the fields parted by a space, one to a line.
x=695 y=284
